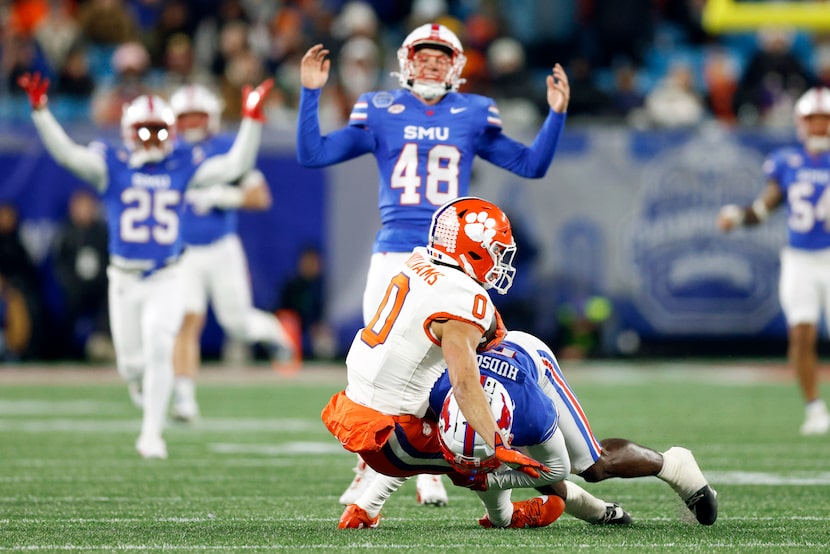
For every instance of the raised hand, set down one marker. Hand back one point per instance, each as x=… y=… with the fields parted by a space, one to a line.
x=559 y=91
x=253 y=100
x=35 y=87
x=517 y=460
x=314 y=67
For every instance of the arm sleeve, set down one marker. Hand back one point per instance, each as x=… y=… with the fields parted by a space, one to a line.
x=85 y=162
x=226 y=168
x=527 y=161
x=316 y=150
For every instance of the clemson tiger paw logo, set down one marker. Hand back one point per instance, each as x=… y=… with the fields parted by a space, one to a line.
x=479 y=226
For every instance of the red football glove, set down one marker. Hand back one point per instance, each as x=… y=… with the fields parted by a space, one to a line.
x=35 y=88
x=517 y=460
x=254 y=99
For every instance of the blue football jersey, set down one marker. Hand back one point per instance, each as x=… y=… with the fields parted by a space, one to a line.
x=424 y=156
x=534 y=415
x=805 y=182
x=144 y=205
x=207 y=228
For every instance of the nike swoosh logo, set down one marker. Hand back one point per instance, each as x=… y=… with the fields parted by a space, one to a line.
x=457 y=110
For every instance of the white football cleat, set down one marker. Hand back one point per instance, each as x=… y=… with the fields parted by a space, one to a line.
x=363 y=475
x=151 y=447
x=431 y=491
x=134 y=388
x=185 y=410
x=817 y=420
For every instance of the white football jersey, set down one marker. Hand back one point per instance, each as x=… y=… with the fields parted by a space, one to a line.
x=394 y=361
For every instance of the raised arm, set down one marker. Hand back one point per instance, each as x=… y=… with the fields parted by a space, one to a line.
x=228 y=167
x=532 y=161
x=87 y=163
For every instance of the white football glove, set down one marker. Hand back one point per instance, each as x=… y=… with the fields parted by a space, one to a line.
x=224 y=197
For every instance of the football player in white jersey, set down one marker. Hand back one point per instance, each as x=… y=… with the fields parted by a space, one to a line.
x=214 y=266
x=799 y=177
x=424 y=137
x=142 y=184
x=540 y=400
x=436 y=313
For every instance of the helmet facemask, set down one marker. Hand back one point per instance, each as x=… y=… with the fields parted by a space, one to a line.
x=431 y=37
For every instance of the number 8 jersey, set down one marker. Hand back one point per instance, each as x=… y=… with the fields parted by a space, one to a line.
x=394 y=361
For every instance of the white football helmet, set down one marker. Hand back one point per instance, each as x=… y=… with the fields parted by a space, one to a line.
x=148 y=128
x=431 y=35
x=461 y=446
x=816 y=101
x=197 y=98
x=476 y=236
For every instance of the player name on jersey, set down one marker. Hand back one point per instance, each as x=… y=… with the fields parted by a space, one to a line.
x=148 y=181
x=424 y=269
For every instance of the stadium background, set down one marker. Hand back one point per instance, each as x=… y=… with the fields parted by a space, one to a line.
x=619 y=254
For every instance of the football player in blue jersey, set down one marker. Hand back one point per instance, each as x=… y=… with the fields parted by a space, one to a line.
x=424 y=137
x=799 y=177
x=214 y=265
x=540 y=402
x=142 y=183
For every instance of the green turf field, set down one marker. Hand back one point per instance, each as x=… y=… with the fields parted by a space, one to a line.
x=260 y=473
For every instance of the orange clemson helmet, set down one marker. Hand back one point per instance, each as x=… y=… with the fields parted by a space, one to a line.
x=474 y=235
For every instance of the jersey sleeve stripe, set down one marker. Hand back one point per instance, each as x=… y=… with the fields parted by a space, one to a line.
x=446 y=316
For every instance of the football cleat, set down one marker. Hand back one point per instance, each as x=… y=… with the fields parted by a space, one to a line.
x=817 y=420
x=614 y=515
x=134 y=388
x=151 y=447
x=431 y=491
x=355 y=517
x=185 y=411
x=363 y=476
x=288 y=356
x=536 y=512
x=704 y=505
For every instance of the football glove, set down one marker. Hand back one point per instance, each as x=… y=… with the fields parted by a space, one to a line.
x=474 y=482
x=517 y=460
x=253 y=100
x=35 y=87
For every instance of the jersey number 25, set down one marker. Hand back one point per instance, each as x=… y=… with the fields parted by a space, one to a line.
x=140 y=205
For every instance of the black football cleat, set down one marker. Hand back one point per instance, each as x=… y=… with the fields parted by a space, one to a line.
x=614 y=515
x=704 y=505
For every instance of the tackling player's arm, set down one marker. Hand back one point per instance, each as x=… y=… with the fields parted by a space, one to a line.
x=732 y=215
x=85 y=162
x=459 y=341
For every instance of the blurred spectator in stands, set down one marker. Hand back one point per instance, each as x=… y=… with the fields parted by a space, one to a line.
x=18 y=270
x=513 y=88
x=80 y=260
x=15 y=323
x=773 y=75
x=131 y=64
x=674 y=102
x=58 y=32
x=107 y=22
x=173 y=20
x=74 y=79
x=627 y=100
x=622 y=29
x=304 y=295
x=720 y=74
x=822 y=58
x=548 y=29
x=242 y=67
x=358 y=70
x=180 y=66
x=20 y=55
x=23 y=17
x=587 y=99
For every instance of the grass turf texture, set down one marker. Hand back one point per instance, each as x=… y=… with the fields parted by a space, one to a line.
x=259 y=473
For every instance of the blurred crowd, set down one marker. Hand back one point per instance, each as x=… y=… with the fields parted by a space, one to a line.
x=642 y=63
x=647 y=63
